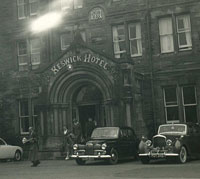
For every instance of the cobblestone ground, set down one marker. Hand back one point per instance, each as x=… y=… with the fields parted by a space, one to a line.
x=60 y=169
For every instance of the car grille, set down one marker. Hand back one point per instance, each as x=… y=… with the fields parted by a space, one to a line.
x=89 y=149
x=159 y=141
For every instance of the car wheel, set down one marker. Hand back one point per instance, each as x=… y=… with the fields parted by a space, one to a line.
x=18 y=156
x=114 y=157
x=80 y=161
x=182 y=158
x=145 y=160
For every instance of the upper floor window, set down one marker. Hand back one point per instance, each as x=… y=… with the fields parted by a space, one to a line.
x=119 y=40
x=67 y=37
x=166 y=35
x=28 y=54
x=184 y=31
x=27 y=8
x=135 y=39
x=71 y=4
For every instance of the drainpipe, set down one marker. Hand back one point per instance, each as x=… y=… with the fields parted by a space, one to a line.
x=148 y=19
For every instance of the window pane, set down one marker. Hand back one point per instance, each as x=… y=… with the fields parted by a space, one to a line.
x=66 y=39
x=134 y=48
x=191 y=114
x=24 y=108
x=172 y=114
x=33 y=7
x=166 y=35
x=35 y=45
x=170 y=96
x=189 y=95
x=24 y=121
x=132 y=31
x=182 y=39
x=22 y=48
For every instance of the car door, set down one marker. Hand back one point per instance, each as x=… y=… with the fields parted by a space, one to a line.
x=196 y=140
x=4 y=151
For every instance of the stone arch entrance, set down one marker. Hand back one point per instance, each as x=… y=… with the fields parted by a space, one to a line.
x=81 y=93
x=88 y=102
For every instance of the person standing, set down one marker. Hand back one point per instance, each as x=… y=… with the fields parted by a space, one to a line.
x=68 y=142
x=89 y=127
x=34 y=147
x=77 y=131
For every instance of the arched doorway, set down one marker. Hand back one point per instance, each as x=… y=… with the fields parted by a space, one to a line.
x=88 y=103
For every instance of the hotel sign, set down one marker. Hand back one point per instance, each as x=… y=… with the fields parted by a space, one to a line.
x=86 y=58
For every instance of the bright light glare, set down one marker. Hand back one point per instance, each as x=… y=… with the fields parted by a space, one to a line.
x=46 y=22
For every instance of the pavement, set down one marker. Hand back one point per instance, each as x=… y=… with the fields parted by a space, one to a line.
x=61 y=169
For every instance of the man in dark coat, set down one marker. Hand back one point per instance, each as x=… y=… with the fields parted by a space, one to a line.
x=77 y=131
x=68 y=141
x=89 y=127
x=34 y=147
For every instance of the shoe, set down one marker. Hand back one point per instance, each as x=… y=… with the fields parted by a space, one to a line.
x=67 y=158
x=37 y=162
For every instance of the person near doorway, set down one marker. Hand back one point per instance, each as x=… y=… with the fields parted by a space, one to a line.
x=77 y=131
x=34 y=147
x=67 y=142
x=89 y=127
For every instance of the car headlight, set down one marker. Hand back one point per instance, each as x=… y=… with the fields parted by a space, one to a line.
x=148 y=143
x=169 y=142
x=104 y=146
x=75 y=146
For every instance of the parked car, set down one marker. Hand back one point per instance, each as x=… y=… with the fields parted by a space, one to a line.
x=107 y=143
x=9 y=151
x=173 y=141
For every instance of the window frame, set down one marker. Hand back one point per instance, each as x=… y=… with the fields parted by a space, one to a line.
x=169 y=34
x=137 y=39
x=169 y=106
x=20 y=5
x=118 y=54
x=186 y=105
x=185 y=31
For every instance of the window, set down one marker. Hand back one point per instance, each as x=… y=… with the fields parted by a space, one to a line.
x=120 y=37
x=171 y=104
x=22 y=55
x=67 y=37
x=166 y=35
x=27 y=8
x=33 y=4
x=21 y=9
x=71 y=4
x=35 y=52
x=189 y=103
x=28 y=54
x=24 y=116
x=184 y=32
x=135 y=39
x=119 y=40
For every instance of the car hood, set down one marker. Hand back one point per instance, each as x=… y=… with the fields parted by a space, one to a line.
x=100 y=141
x=171 y=137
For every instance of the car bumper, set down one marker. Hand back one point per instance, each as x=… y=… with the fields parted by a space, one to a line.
x=158 y=155
x=91 y=156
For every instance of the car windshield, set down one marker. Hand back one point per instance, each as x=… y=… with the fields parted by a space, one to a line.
x=105 y=133
x=178 y=129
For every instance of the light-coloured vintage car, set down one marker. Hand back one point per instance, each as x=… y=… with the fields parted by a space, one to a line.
x=9 y=151
x=173 y=141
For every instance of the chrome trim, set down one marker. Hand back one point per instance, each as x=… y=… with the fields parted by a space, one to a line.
x=157 y=155
x=90 y=156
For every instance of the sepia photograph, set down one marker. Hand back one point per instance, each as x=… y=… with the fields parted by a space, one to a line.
x=99 y=89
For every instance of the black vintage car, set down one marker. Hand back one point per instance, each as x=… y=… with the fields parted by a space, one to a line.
x=108 y=143
x=173 y=141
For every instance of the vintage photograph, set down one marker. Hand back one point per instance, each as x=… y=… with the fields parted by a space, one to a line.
x=99 y=89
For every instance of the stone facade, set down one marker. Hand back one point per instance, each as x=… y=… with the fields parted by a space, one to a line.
x=82 y=76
